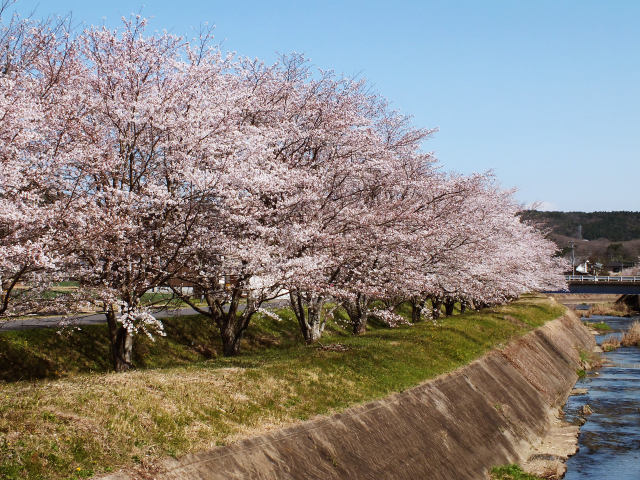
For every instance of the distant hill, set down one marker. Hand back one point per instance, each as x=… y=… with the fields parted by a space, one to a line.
x=610 y=238
x=613 y=226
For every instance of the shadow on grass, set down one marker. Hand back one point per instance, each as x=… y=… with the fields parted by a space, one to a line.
x=192 y=340
x=52 y=353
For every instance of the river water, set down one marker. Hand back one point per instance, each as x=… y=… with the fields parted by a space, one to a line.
x=610 y=439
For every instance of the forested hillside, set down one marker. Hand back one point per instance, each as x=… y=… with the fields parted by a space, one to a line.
x=614 y=226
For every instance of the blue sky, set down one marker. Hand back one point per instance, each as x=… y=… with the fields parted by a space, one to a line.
x=546 y=93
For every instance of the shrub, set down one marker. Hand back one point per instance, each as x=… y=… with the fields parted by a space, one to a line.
x=611 y=343
x=614 y=309
x=632 y=337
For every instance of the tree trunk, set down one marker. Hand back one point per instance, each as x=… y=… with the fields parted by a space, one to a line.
x=463 y=306
x=478 y=305
x=231 y=336
x=417 y=306
x=7 y=288
x=360 y=326
x=121 y=342
x=224 y=311
x=436 y=304
x=357 y=311
x=449 y=304
x=310 y=319
x=231 y=325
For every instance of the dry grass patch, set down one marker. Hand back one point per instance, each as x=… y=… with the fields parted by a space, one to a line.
x=136 y=416
x=632 y=336
x=610 y=344
x=610 y=309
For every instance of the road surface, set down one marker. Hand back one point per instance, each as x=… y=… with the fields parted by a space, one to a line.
x=86 y=319
x=98 y=318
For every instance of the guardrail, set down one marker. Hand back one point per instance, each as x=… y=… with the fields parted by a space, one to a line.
x=602 y=279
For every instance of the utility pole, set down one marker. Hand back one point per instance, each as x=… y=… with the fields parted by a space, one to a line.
x=573 y=257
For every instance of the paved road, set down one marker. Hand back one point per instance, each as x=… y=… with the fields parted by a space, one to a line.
x=88 y=319
x=98 y=318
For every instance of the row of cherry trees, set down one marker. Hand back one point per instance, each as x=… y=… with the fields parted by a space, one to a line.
x=132 y=161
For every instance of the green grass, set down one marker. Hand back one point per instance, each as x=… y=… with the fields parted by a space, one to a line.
x=50 y=353
x=160 y=298
x=511 y=472
x=74 y=419
x=600 y=326
x=68 y=283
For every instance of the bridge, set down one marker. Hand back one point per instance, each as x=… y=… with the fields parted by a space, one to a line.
x=604 y=284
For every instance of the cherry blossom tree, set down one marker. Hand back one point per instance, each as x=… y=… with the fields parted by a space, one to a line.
x=233 y=261
x=134 y=161
x=486 y=254
x=338 y=156
x=262 y=243
x=368 y=207
x=33 y=64
x=150 y=108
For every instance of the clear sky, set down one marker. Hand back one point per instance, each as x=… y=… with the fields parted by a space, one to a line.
x=546 y=93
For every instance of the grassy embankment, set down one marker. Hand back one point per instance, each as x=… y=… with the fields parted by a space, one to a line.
x=69 y=418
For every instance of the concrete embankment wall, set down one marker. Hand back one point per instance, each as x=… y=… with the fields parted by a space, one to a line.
x=453 y=427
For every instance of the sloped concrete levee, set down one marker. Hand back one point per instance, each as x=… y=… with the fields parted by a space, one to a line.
x=456 y=426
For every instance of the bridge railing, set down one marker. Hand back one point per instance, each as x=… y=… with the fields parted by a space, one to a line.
x=602 y=278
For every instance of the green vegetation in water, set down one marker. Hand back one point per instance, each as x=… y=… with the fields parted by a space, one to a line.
x=69 y=417
x=600 y=326
x=511 y=472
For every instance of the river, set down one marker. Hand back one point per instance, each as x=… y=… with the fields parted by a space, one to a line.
x=610 y=439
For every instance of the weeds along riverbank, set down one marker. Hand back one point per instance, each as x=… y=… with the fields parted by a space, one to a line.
x=72 y=419
x=630 y=338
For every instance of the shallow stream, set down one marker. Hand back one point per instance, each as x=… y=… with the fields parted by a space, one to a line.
x=610 y=439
